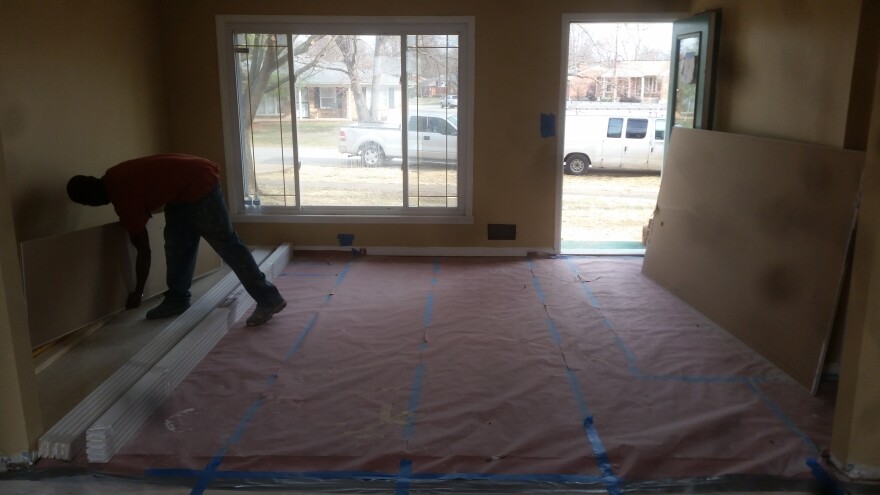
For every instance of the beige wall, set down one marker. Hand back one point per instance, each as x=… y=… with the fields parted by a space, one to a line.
x=20 y=420
x=856 y=435
x=81 y=90
x=785 y=67
x=517 y=78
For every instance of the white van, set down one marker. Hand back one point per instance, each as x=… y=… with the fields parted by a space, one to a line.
x=630 y=140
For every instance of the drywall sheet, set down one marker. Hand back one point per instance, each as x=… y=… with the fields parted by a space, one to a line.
x=754 y=233
x=73 y=279
x=422 y=372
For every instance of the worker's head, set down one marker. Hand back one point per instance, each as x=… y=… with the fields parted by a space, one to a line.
x=87 y=190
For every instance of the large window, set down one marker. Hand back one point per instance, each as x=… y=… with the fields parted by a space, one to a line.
x=357 y=127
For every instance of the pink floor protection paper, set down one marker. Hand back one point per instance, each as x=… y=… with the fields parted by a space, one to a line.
x=568 y=369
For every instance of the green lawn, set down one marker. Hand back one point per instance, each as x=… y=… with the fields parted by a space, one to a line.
x=315 y=133
x=312 y=133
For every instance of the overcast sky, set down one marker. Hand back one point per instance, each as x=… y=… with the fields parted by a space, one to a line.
x=653 y=35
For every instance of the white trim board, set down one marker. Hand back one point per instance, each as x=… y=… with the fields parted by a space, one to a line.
x=124 y=419
x=432 y=251
x=67 y=437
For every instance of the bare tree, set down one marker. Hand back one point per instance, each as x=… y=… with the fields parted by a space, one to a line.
x=607 y=46
x=382 y=48
x=267 y=68
x=348 y=46
x=265 y=60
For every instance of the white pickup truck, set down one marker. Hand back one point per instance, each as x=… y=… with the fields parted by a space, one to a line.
x=432 y=137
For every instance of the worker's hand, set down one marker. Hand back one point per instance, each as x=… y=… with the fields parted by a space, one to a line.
x=133 y=301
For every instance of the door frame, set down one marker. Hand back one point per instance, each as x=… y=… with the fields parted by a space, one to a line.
x=567 y=20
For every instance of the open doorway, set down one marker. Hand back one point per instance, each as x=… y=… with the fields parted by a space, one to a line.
x=616 y=93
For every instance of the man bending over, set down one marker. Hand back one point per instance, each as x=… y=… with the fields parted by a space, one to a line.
x=189 y=189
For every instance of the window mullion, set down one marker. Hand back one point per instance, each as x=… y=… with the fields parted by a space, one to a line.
x=249 y=170
x=291 y=87
x=404 y=119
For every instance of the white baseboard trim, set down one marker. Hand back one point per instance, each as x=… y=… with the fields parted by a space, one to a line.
x=603 y=252
x=857 y=472
x=433 y=251
x=17 y=462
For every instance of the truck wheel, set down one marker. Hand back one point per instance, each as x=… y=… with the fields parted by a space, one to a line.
x=577 y=165
x=372 y=154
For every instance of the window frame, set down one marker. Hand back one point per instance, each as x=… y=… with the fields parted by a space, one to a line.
x=331 y=95
x=464 y=26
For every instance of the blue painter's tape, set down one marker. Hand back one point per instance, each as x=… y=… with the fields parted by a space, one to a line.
x=209 y=473
x=629 y=356
x=429 y=310
x=525 y=478
x=302 y=337
x=243 y=424
x=598 y=448
x=405 y=475
x=578 y=396
x=345 y=239
x=342 y=274
x=403 y=478
x=414 y=399
x=591 y=298
x=416 y=389
x=538 y=290
x=308 y=475
x=829 y=484
x=783 y=417
x=554 y=332
x=548 y=125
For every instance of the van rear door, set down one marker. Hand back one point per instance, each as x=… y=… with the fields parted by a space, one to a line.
x=655 y=159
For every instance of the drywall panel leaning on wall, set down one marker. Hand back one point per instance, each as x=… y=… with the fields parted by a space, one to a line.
x=753 y=232
x=79 y=277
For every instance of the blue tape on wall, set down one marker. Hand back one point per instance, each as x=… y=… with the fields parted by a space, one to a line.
x=548 y=125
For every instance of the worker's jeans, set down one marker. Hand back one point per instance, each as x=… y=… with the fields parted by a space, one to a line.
x=209 y=218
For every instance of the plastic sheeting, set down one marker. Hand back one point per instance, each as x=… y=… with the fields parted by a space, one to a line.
x=409 y=372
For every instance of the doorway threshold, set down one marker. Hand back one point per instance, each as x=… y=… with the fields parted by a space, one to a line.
x=616 y=248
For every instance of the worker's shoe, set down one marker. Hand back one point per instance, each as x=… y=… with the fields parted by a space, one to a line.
x=264 y=313
x=168 y=307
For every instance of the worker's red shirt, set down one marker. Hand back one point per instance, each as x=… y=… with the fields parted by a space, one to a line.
x=139 y=187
